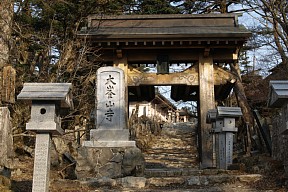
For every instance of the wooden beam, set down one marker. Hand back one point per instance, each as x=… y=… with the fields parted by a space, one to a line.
x=222 y=76
x=188 y=77
x=175 y=55
x=206 y=102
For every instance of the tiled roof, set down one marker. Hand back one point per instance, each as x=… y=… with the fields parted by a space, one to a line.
x=179 y=31
x=166 y=26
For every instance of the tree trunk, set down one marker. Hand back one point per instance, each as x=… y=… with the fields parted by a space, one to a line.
x=6 y=15
x=243 y=103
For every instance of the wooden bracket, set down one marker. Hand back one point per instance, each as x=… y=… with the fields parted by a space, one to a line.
x=206 y=52
x=119 y=53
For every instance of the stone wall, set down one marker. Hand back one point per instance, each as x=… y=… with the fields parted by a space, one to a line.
x=109 y=162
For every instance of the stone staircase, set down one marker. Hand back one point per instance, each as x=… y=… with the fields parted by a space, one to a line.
x=172 y=162
x=172 y=165
x=174 y=148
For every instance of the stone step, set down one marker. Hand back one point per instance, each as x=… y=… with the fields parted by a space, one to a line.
x=188 y=171
x=171 y=159
x=171 y=172
x=202 y=180
x=174 y=151
x=178 y=136
x=166 y=156
x=182 y=183
x=155 y=165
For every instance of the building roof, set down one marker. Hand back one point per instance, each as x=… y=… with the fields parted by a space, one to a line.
x=165 y=103
x=193 y=27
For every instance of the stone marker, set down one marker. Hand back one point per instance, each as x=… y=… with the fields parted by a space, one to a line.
x=6 y=139
x=111 y=121
x=223 y=123
x=110 y=99
x=47 y=101
x=227 y=115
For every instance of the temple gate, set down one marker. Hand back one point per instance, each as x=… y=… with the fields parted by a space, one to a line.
x=204 y=44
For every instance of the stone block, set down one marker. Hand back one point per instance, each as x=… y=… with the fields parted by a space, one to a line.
x=222 y=178
x=118 y=158
x=249 y=178
x=204 y=180
x=195 y=180
x=133 y=182
x=109 y=135
x=101 y=182
x=101 y=156
x=133 y=161
x=110 y=170
x=166 y=181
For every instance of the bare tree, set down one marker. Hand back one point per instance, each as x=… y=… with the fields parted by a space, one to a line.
x=273 y=17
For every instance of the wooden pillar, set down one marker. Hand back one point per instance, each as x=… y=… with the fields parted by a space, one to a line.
x=120 y=61
x=206 y=102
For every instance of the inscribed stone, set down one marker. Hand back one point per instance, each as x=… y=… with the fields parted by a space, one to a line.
x=111 y=125
x=110 y=99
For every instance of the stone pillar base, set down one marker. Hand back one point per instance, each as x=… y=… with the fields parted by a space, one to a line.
x=109 y=135
x=109 y=138
x=109 y=144
x=93 y=162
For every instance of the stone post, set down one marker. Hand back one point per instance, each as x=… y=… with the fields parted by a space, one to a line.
x=47 y=100
x=173 y=117
x=41 y=163
x=223 y=124
x=225 y=127
x=278 y=98
x=185 y=119
x=177 y=116
x=6 y=139
x=170 y=116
